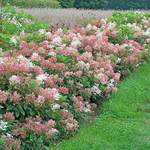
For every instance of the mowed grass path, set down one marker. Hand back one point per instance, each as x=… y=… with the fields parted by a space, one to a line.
x=125 y=120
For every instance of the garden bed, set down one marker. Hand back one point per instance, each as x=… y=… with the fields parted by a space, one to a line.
x=53 y=79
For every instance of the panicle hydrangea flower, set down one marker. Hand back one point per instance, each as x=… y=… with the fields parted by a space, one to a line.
x=41 y=78
x=8 y=116
x=14 y=79
x=3 y=96
x=15 y=97
x=96 y=90
x=3 y=125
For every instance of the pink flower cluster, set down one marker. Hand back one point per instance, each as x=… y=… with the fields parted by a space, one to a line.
x=8 y=116
x=12 y=143
x=70 y=123
x=78 y=104
x=14 y=65
x=35 y=125
x=3 y=96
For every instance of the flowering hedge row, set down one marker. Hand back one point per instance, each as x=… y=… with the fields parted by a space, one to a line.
x=47 y=88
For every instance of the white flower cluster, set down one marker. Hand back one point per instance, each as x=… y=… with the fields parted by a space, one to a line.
x=55 y=106
x=96 y=90
x=118 y=60
x=14 y=40
x=147 y=32
x=111 y=26
x=83 y=66
x=111 y=83
x=3 y=125
x=76 y=42
x=23 y=59
x=56 y=96
x=90 y=27
x=41 y=78
x=51 y=54
x=1 y=60
x=42 y=31
x=14 y=79
x=134 y=27
x=87 y=107
x=57 y=41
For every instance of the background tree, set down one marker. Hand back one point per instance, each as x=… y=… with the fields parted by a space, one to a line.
x=91 y=4
x=113 y=4
x=67 y=3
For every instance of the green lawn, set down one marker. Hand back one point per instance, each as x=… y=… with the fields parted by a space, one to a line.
x=125 y=121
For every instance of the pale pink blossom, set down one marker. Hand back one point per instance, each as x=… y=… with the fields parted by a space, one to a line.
x=16 y=97
x=14 y=79
x=3 y=96
x=63 y=90
x=9 y=116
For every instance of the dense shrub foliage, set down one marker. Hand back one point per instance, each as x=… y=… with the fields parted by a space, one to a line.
x=34 y=3
x=88 y=4
x=128 y=4
x=67 y=3
x=49 y=84
x=113 y=4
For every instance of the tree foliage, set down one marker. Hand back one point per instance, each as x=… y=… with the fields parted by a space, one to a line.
x=67 y=3
x=113 y=4
x=88 y=4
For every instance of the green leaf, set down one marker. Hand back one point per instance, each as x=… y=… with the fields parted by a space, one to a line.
x=86 y=82
x=32 y=84
x=63 y=58
x=63 y=98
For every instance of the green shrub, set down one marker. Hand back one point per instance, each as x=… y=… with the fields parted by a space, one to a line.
x=125 y=17
x=129 y=4
x=88 y=4
x=67 y=3
x=34 y=3
x=14 y=22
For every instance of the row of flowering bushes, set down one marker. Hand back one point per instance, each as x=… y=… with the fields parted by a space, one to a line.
x=48 y=87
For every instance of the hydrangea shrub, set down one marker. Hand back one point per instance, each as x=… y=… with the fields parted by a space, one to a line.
x=48 y=87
